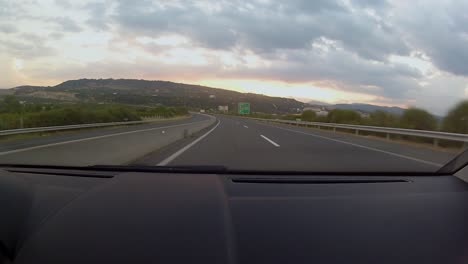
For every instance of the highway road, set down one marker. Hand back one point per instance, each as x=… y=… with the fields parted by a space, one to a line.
x=108 y=146
x=241 y=143
x=234 y=142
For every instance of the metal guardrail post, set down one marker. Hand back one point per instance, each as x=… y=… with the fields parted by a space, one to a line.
x=436 y=142
x=357 y=132
x=387 y=136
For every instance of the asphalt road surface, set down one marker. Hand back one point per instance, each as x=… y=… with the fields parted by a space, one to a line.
x=108 y=146
x=234 y=142
x=241 y=143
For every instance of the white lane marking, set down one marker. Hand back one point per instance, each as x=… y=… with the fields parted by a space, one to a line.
x=269 y=140
x=182 y=150
x=92 y=138
x=365 y=147
x=246 y=126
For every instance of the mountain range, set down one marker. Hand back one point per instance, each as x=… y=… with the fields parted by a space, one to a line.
x=369 y=108
x=365 y=108
x=144 y=92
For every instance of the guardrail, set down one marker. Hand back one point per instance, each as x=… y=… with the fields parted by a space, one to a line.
x=435 y=135
x=68 y=127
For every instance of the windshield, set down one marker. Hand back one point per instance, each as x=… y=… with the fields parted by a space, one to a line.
x=312 y=86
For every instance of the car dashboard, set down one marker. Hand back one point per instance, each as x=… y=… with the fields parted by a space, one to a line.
x=105 y=216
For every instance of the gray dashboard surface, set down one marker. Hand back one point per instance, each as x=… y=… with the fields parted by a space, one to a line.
x=209 y=218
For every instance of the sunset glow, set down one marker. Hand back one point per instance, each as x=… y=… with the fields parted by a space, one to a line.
x=369 y=54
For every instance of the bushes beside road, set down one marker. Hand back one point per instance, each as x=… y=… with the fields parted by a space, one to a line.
x=161 y=111
x=456 y=121
x=13 y=114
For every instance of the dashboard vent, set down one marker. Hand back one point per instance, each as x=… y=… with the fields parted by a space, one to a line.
x=316 y=181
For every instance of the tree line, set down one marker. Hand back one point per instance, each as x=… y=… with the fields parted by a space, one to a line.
x=456 y=120
x=14 y=114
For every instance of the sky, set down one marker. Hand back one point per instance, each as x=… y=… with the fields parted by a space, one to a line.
x=401 y=53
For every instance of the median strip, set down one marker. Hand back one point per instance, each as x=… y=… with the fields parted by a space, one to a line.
x=92 y=138
x=271 y=141
x=181 y=151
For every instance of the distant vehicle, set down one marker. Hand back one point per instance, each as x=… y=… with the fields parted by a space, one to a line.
x=202 y=110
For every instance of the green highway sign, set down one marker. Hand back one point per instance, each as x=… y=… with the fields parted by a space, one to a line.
x=244 y=108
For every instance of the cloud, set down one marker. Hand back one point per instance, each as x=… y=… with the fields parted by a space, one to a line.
x=8 y=28
x=440 y=30
x=341 y=69
x=263 y=27
x=141 y=68
x=63 y=3
x=370 y=3
x=65 y=24
x=348 y=45
x=98 y=18
x=8 y=9
x=26 y=46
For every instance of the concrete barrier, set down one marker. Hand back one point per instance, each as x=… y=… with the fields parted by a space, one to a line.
x=111 y=149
